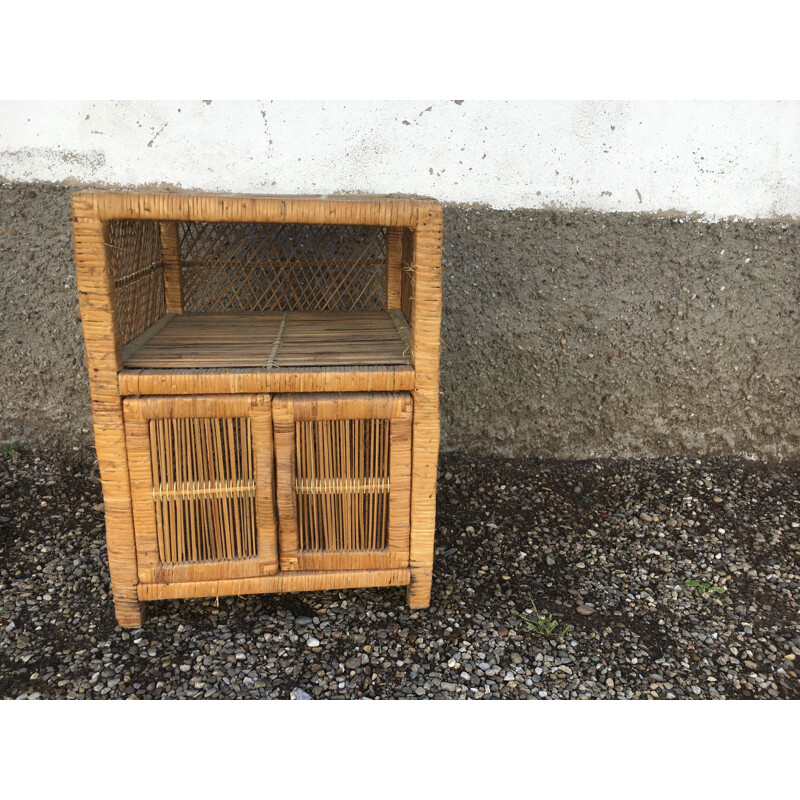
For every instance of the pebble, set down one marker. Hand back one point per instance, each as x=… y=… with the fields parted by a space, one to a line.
x=644 y=634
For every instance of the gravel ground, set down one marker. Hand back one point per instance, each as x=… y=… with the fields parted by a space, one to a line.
x=606 y=547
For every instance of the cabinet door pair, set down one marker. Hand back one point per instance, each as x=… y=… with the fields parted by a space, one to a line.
x=235 y=486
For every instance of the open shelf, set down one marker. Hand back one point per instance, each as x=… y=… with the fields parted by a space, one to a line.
x=272 y=341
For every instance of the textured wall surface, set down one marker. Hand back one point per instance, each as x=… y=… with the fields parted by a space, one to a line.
x=591 y=334
x=713 y=158
x=565 y=334
x=44 y=390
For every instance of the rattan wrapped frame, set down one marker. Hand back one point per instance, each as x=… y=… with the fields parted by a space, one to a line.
x=414 y=242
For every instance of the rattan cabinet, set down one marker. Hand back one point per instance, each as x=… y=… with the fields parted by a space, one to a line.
x=264 y=377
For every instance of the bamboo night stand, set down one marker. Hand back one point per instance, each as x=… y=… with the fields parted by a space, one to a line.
x=264 y=376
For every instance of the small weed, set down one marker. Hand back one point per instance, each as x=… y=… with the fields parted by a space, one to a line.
x=587 y=499
x=624 y=552
x=545 y=626
x=12 y=447
x=704 y=588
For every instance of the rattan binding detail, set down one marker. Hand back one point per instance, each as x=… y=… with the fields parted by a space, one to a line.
x=264 y=376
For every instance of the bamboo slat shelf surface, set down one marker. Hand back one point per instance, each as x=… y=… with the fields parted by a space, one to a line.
x=270 y=341
x=264 y=377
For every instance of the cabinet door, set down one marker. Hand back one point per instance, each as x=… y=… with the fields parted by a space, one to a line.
x=201 y=472
x=343 y=480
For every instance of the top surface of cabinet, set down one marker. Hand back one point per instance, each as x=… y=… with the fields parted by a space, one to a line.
x=392 y=210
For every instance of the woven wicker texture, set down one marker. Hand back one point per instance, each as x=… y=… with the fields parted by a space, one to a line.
x=307 y=385
x=407 y=273
x=224 y=380
x=201 y=481
x=324 y=580
x=261 y=267
x=272 y=341
x=342 y=484
x=137 y=270
x=343 y=480
x=426 y=314
x=204 y=489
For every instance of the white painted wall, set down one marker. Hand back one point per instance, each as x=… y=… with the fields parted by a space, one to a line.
x=717 y=159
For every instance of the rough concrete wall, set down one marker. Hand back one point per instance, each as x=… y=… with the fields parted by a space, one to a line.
x=565 y=334
x=584 y=334
x=44 y=391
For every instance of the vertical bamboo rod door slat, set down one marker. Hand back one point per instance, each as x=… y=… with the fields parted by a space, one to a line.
x=195 y=308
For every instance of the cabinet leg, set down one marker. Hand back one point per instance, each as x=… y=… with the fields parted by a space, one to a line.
x=418 y=592
x=130 y=613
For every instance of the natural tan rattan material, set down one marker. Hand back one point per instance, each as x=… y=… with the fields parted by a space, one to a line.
x=201 y=482
x=343 y=480
x=346 y=293
x=298 y=379
x=271 y=341
x=268 y=267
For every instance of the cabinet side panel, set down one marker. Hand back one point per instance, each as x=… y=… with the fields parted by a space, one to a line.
x=425 y=330
x=103 y=355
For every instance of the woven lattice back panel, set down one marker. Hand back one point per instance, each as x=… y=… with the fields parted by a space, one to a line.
x=137 y=270
x=259 y=267
x=342 y=484
x=204 y=489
